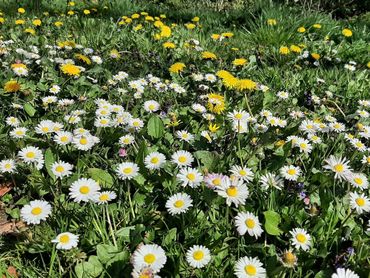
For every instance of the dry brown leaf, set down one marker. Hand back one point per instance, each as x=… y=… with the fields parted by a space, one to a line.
x=12 y=271
x=5 y=188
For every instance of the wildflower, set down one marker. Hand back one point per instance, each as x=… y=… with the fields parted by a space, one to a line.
x=247 y=267
x=66 y=241
x=154 y=161
x=198 y=256
x=240 y=62
x=235 y=191
x=247 y=222
x=290 y=172
x=271 y=21
x=289 y=259
x=284 y=50
x=301 y=30
x=209 y=55
x=104 y=197
x=344 y=273
x=36 y=211
x=359 y=202
x=84 y=190
x=149 y=255
x=177 y=68
x=347 y=32
x=190 y=176
x=61 y=169
x=127 y=170
x=7 y=166
x=301 y=239
x=12 y=86
x=179 y=203
x=338 y=165
x=270 y=180
x=70 y=69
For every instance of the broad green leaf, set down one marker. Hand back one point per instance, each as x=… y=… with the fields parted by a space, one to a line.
x=155 y=127
x=29 y=109
x=272 y=221
x=170 y=237
x=268 y=98
x=106 y=252
x=91 y=268
x=49 y=160
x=207 y=158
x=103 y=177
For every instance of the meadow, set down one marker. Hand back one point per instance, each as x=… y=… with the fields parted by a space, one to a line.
x=184 y=139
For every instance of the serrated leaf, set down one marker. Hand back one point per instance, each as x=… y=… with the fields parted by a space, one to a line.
x=207 y=158
x=106 y=252
x=29 y=109
x=103 y=177
x=155 y=127
x=170 y=237
x=272 y=221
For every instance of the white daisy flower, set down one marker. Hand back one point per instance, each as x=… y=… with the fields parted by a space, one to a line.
x=290 y=172
x=344 y=273
x=63 y=138
x=238 y=115
x=182 y=158
x=271 y=180
x=102 y=122
x=72 y=119
x=247 y=267
x=366 y=160
x=338 y=165
x=61 y=169
x=179 y=203
x=105 y=197
x=127 y=139
x=145 y=272
x=7 y=166
x=12 y=121
x=301 y=239
x=84 y=190
x=32 y=155
x=44 y=127
x=359 y=202
x=243 y=173
x=199 y=108
x=18 y=132
x=337 y=127
x=136 y=123
x=304 y=146
x=127 y=170
x=248 y=222
x=183 y=135
x=154 y=161
x=198 y=256
x=190 y=176
x=84 y=143
x=308 y=126
x=358 y=180
x=149 y=255
x=151 y=106
x=358 y=145
x=66 y=241
x=54 y=89
x=282 y=95
x=314 y=138
x=235 y=191
x=35 y=212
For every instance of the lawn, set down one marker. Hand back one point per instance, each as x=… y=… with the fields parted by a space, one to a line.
x=184 y=139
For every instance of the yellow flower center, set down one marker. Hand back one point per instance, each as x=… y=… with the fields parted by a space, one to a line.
x=179 y=204
x=291 y=172
x=127 y=171
x=358 y=181
x=250 y=270
x=303 y=145
x=104 y=197
x=64 y=239
x=30 y=155
x=242 y=172
x=8 y=166
x=19 y=132
x=149 y=258
x=238 y=116
x=84 y=189
x=250 y=223
x=198 y=255
x=301 y=238
x=339 y=168
x=83 y=141
x=232 y=191
x=36 y=211
x=190 y=176
x=360 y=202
x=59 y=169
x=216 y=181
x=64 y=139
x=154 y=160
x=182 y=159
x=45 y=129
x=151 y=107
x=289 y=258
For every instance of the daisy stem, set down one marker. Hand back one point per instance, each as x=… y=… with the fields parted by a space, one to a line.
x=110 y=226
x=345 y=220
x=247 y=103
x=52 y=259
x=129 y=200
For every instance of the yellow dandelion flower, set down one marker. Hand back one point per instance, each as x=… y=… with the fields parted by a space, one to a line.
x=86 y=12
x=284 y=50
x=177 y=67
x=213 y=128
x=58 y=23
x=301 y=29
x=21 y=10
x=169 y=45
x=138 y=27
x=316 y=56
x=246 y=84
x=216 y=103
x=209 y=55
x=70 y=69
x=19 y=22
x=227 y=35
x=347 y=32
x=12 y=86
x=30 y=31
x=317 y=26
x=190 y=26
x=114 y=54
x=295 y=48
x=36 y=22
x=271 y=21
x=83 y=58
x=239 y=62
x=165 y=31
x=195 y=19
